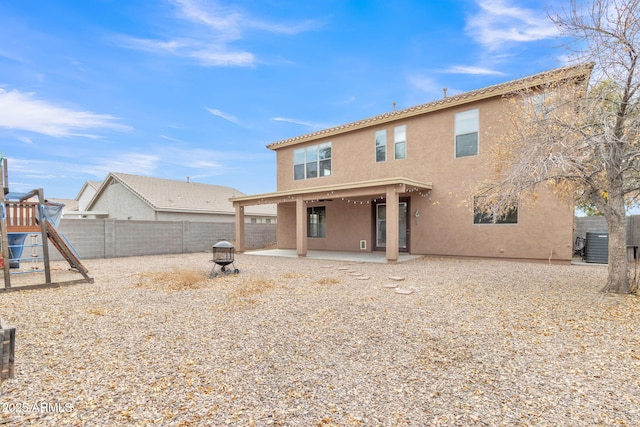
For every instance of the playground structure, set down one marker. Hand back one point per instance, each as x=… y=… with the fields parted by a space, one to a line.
x=29 y=214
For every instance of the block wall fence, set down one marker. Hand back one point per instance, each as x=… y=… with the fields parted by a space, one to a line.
x=107 y=238
x=597 y=224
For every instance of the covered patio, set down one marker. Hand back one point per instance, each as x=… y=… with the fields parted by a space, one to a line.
x=390 y=189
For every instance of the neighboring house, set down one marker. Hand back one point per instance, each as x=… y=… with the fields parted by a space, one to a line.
x=77 y=209
x=405 y=181
x=88 y=190
x=132 y=197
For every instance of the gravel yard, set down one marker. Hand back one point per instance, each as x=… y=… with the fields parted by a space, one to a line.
x=307 y=342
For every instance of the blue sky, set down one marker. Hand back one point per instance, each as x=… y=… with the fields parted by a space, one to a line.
x=198 y=88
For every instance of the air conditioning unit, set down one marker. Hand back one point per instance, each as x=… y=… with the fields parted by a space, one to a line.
x=363 y=245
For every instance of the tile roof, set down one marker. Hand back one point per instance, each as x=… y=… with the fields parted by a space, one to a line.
x=95 y=185
x=580 y=71
x=69 y=204
x=182 y=196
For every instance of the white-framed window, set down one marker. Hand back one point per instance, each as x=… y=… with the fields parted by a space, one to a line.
x=381 y=145
x=312 y=161
x=400 y=142
x=466 y=130
x=317 y=222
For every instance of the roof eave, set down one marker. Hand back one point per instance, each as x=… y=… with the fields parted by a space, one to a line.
x=329 y=191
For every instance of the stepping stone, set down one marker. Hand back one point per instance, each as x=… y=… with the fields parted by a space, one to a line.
x=344 y=268
x=390 y=285
x=355 y=274
x=328 y=266
x=362 y=278
x=396 y=278
x=404 y=291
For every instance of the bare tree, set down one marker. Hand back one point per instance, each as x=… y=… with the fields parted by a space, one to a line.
x=581 y=140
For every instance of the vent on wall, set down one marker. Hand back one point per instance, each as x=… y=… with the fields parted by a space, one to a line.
x=363 y=245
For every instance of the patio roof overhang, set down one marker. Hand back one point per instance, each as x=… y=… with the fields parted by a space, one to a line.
x=376 y=187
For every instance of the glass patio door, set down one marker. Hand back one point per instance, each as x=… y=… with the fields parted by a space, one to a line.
x=381 y=225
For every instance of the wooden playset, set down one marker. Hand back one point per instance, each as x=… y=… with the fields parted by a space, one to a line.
x=26 y=214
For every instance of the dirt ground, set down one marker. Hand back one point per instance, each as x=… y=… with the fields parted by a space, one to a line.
x=306 y=342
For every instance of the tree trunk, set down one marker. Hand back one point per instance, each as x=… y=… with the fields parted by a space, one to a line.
x=618 y=278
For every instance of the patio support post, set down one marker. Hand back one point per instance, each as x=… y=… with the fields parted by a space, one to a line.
x=239 y=227
x=301 y=227
x=393 y=215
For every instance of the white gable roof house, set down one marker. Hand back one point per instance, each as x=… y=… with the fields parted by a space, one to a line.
x=88 y=190
x=133 y=197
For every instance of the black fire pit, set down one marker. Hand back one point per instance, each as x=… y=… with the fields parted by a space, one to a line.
x=223 y=258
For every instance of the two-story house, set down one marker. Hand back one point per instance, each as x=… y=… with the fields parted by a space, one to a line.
x=406 y=181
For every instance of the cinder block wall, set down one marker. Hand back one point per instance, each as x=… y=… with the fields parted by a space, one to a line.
x=589 y=224
x=595 y=224
x=107 y=238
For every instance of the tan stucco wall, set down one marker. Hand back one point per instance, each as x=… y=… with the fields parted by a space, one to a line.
x=345 y=227
x=445 y=225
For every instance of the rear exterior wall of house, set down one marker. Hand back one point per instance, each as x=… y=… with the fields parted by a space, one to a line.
x=440 y=221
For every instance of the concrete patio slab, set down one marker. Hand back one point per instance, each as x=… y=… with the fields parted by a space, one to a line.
x=334 y=255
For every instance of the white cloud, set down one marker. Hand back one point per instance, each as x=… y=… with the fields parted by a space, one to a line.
x=473 y=70
x=202 y=51
x=133 y=163
x=427 y=85
x=157 y=46
x=224 y=20
x=166 y=157
x=291 y=29
x=208 y=39
x=347 y=100
x=23 y=112
x=231 y=23
x=499 y=22
x=200 y=162
x=216 y=58
x=168 y=138
x=302 y=123
x=222 y=115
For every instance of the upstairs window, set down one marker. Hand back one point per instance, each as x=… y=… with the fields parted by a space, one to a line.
x=324 y=159
x=540 y=105
x=466 y=129
x=312 y=161
x=381 y=145
x=400 y=142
